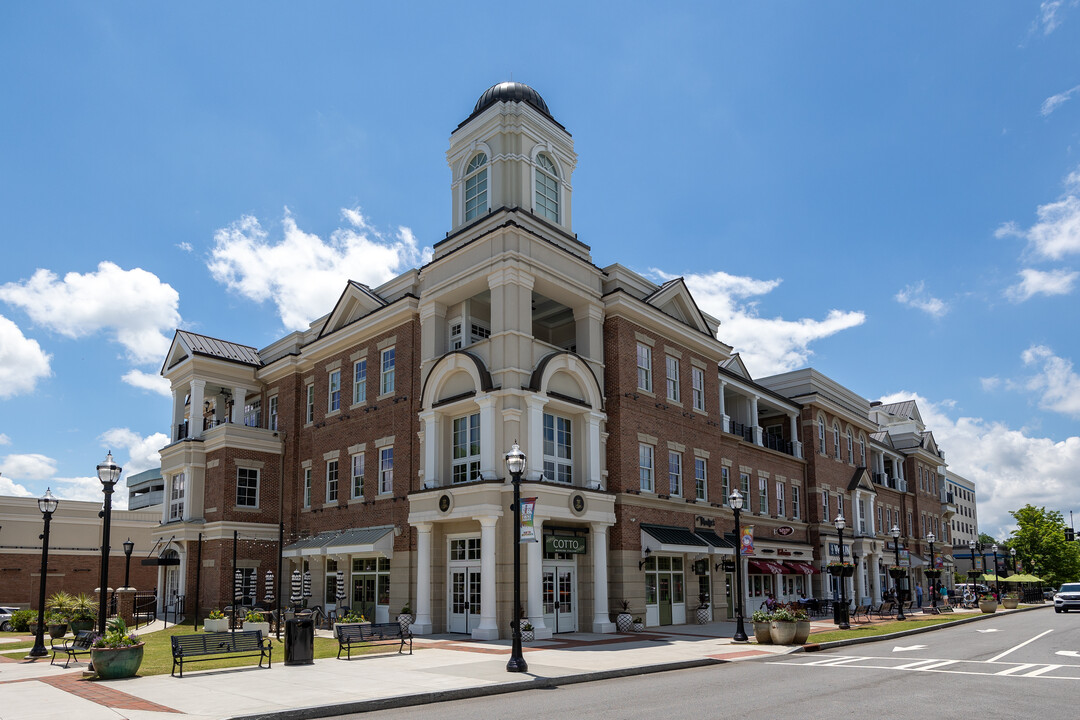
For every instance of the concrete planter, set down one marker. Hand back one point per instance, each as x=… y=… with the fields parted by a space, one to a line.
x=115 y=663
x=782 y=632
x=802 y=632
x=56 y=630
x=216 y=625
x=988 y=606
x=264 y=626
x=762 y=634
x=1010 y=603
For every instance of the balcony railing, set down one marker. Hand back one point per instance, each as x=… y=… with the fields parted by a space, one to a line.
x=745 y=431
x=779 y=444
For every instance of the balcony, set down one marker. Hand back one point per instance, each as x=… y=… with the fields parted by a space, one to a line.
x=779 y=444
x=744 y=431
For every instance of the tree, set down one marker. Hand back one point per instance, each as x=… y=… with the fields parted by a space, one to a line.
x=1040 y=544
x=987 y=540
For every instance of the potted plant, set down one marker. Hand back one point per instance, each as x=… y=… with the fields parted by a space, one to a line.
x=782 y=627
x=216 y=621
x=987 y=603
x=83 y=613
x=624 y=621
x=117 y=653
x=405 y=618
x=762 y=619
x=58 y=609
x=1010 y=601
x=353 y=618
x=639 y=625
x=897 y=571
x=841 y=569
x=704 y=615
x=802 y=626
x=255 y=620
x=527 y=634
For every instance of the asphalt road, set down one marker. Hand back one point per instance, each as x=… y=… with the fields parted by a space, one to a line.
x=1016 y=666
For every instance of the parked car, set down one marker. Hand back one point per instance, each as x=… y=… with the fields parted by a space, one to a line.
x=5 y=618
x=1067 y=598
x=1049 y=593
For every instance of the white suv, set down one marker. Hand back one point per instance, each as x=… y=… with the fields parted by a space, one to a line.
x=1067 y=598
x=5 y=618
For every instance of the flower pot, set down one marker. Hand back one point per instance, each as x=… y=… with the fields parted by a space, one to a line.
x=848 y=571
x=57 y=630
x=405 y=620
x=704 y=615
x=262 y=625
x=1010 y=603
x=638 y=626
x=527 y=636
x=836 y=571
x=762 y=634
x=78 y=626
x=216 y=624
x=782 y=632
x=988 y=606
x=802 y=632
x=624 y=622
x=113 y=663
x=897 y=573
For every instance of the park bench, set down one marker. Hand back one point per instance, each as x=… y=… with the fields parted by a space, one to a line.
x=349 y=635
x=218 y=645
x=886 y=608
x=79 y=645
x=863 y=610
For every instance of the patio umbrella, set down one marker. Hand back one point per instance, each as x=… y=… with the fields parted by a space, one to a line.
x=307 y=583
x=295 y=597
x=340 y=586
x=238 y=585
x=268 y=588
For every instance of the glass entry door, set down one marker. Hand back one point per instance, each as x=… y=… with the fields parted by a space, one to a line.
x=464 y=599
x=560 y=598
x=363 y=595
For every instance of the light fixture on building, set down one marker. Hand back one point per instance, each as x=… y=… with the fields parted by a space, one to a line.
x=645 y=557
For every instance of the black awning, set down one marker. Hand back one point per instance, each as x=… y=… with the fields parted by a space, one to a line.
x=669 y=535
x=161 y=561
x=715 y=540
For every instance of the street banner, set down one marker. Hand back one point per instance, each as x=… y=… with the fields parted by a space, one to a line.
x=1019 y=567
x=746 y=540
x=979 y=564
x=528 y=530
x=939 y=561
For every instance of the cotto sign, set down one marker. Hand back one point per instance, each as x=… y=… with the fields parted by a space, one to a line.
x=571 y=544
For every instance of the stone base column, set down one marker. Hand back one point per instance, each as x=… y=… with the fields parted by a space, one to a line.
x=125 y=604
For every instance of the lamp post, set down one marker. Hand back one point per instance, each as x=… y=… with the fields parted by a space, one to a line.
x=515 y=463
x=841 y=615
x=47 y=504
x=736 y=500
x=108 y=472
x=128 y=548
x=933 y=566
x=997 y=577
x=895 y=532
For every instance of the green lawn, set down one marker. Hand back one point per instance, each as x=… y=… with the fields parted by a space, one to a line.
x=886 y=628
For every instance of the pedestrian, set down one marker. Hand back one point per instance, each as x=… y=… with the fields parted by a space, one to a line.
x=918 y=595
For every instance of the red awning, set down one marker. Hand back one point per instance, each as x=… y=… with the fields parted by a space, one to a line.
x=802 y=567
x=768 y=567
x=759 y=566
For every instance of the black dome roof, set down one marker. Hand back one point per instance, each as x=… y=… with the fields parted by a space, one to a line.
x=511 y=92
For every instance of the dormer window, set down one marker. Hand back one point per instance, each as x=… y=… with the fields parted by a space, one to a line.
x=547 y=188
x=476 y=186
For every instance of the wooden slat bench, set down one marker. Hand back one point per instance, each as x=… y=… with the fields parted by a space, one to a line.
x=79 y=645
x=218 y=645
x=366 y=633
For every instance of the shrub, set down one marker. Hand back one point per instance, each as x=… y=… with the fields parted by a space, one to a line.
x=784 y=614
x=21 y=619
x=216 y=614
x=761 y=616
x=353 y=617
x=405 y=609
x=254 y=616
x=116 y=636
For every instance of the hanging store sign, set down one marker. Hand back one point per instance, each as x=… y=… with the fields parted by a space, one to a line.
x=528 y=530
x=569 y=544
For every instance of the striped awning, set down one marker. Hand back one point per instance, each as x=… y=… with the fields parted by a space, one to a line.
x=801 y=567
x=766 y=567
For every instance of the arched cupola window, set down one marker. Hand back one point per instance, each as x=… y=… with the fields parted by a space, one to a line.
x=476 y=187
x=547 y=188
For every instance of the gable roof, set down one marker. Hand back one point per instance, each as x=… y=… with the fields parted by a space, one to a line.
x=356 y=301
x=186 y=343
x=905 y=409
x=736 y=366
x=673 y=298
x=861 y=479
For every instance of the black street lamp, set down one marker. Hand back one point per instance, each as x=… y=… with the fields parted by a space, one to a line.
x=997 y=576
x=128 y=548
x=896 y=581
x=515 y=463
x=47 y=504
x=841 y=615
x=933 y=566
x=108 y=472
x=736 y=501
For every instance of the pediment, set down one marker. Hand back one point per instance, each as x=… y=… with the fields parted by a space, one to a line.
x=673 y=298
x=178 y=352
x=736 y=366
x=860 y=480
x=929 y=443
x=357 y=301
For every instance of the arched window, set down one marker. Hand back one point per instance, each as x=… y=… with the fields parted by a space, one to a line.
x=821 y=434
x=862 y=450
x=850 y=447
x=476 y=185
x=547 y=188
x=836 y=441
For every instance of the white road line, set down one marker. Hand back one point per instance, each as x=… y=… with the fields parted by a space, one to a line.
x=834 y=661
x=911 y=665
x=1040 y=671
x=940 y=663
x=1016 y=669
x=998 y=657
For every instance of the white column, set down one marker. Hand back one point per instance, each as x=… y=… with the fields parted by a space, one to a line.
x=177 y=411
x=431 y=450
x=422 y=626
x=796 y=444
x=724 y=419
x=754 y=419
x=592 y=445
x=534 y=582
x=875 y=580
x=489 y=467
x=239 y=396
x=488 y=629
x=196 y=412
x=601 y=619
x=534 y=450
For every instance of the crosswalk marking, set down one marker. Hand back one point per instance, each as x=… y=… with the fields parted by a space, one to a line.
x=913 y=665
x=1018 y=668
x=1040 y=671
x=937 y=664
x=1050 y=671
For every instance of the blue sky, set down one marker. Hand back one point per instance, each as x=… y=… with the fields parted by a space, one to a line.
x=888 y=193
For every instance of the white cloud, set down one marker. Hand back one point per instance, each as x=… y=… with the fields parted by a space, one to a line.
x=303 y=274
x=915 y=296
x=4 y=439
x=1037 y=282
x=86 y=488
x=1051 y=103
x=990 y=384
x=9 y=487
x=1048 y=15
x=134 y=306
x=31 y=466
x=767 y=345
x=142 y=452
x=1057 y=233
x=22 y=361
x=185 y=246
x=1058 y=386
x=148 y=381
x=1009 y=467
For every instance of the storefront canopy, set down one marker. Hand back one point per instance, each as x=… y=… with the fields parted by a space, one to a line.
x=667 y=538
x=353 y=541
x=719 y=545
x=803 y=568
x=767 y=568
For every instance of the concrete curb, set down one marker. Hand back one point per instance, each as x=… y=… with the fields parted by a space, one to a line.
x=815 y=647
x=536 y=683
